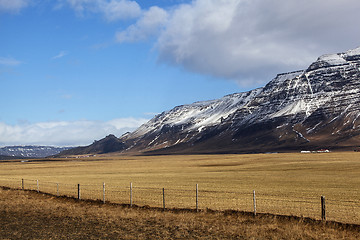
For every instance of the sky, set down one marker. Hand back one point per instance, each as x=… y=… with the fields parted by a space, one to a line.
x=74 y=71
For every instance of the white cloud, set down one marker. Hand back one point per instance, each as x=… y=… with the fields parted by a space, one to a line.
x=13 y=6
x=9 y=61
x=119 y=10
x=249 y=41
x=148 y=25
x=60 y=55
x=62 y=133
x=112 y=10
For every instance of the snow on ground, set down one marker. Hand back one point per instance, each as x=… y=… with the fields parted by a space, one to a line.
x=199 y=114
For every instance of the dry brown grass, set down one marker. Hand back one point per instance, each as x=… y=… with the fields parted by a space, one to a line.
x=288 y=184
x=29 y=215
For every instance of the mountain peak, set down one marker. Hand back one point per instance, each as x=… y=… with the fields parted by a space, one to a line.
x=332 y=59
x=110 y=136
x=108 y=144
x=336 y=59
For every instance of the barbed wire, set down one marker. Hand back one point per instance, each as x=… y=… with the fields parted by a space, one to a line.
x=184 y=197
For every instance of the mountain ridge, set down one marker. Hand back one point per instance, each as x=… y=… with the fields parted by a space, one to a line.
x=308 y=109
x=108 y=144
x=30 y=151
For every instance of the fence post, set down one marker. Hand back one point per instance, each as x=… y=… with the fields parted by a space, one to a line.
x=254 y=200
x=323 y=209
x=37 y=184
x=103 y=192
x=22 y=184
x=79 y=197
x=197 y=197
x=131 y=200
x=164 y=198
x=57 y=189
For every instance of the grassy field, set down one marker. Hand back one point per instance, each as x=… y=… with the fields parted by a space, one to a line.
x=29 y=215
x=288 y=184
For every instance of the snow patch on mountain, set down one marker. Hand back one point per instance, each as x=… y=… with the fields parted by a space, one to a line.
x=353 y=52
x=199 y=114
x=291 y=109
x=332 y=59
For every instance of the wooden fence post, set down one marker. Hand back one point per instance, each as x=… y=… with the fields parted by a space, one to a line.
x=37 y=184
x=197 y=197
x=131 y=200
x=164 y=198
x=254 y=200
x=22 y=184
x=103 y=192
x=79 y=197
x=323 y=209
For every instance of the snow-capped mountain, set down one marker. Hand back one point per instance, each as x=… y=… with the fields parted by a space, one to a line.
x=314 y=108
x=31 y=151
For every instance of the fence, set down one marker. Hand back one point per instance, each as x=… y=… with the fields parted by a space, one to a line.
x=346 y=211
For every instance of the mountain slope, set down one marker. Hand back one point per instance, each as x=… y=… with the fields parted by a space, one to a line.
x=108 y=144
x=31 y=151
x=6 y=158
x=314 y=108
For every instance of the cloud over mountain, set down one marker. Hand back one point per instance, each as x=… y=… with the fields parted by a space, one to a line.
x=239 y=40
x=147 y=26
x=250 y=41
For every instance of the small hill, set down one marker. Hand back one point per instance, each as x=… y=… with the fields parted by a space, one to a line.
x=31 y=151
x=108 y=144
x=3 y=157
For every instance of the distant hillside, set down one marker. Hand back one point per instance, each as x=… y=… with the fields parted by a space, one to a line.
x=31 y=151
x=2 y=157
x=105 y=145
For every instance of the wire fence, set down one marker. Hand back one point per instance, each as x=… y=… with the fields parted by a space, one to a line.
x=340 y=210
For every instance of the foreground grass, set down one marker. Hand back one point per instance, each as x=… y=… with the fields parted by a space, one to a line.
x=29 y=215
x=287 y=184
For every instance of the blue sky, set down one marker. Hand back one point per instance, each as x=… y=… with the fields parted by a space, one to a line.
x=72 y=71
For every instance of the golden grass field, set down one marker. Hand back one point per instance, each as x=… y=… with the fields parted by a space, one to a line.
x=287 y=183
x=29 y=215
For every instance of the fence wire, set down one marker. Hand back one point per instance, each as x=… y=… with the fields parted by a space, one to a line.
x=347 y=211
